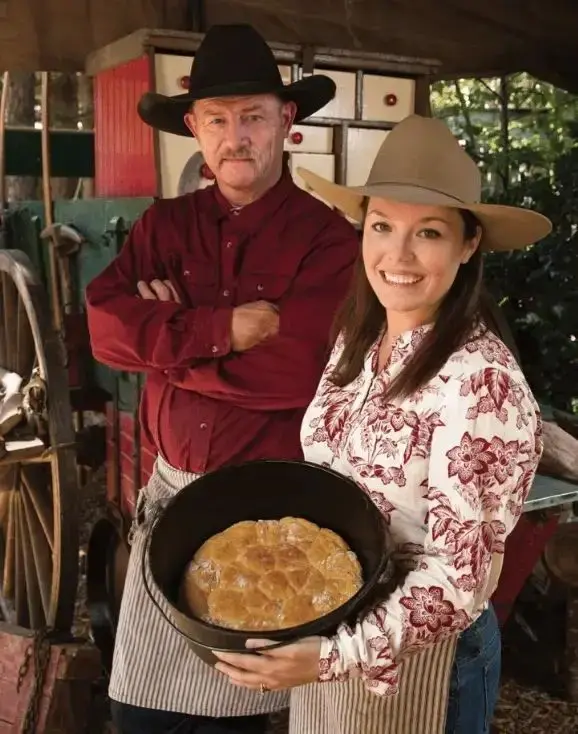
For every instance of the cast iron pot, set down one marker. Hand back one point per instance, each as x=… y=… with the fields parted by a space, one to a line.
x=264 y=490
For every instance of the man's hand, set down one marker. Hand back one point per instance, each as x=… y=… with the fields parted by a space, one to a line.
x=252 y=324
x=158 y=290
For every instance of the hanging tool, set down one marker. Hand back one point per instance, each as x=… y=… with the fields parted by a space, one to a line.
x=3 y=109
x=47 y=200
x=66 y=241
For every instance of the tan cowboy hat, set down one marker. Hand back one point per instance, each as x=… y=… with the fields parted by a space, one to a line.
x=421 y=162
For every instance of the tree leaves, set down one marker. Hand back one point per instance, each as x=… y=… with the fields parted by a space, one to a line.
x=538 y=168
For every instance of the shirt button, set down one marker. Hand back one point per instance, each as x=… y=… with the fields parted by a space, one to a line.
x=203 y=426
x=260 y=287
x=229 y=244
x=226 y=293
x=214 y=349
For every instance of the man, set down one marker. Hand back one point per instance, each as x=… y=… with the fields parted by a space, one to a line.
x=224 y=298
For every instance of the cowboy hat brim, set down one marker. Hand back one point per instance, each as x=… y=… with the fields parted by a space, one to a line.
x=168 y=113
x=504 y=227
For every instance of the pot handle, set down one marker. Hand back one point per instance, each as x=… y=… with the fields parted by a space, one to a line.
x=146 y=546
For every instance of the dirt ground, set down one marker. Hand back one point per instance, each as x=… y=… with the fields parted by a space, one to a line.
x=531 y=700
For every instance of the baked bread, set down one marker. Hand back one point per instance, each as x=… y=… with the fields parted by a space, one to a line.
x=269 y=575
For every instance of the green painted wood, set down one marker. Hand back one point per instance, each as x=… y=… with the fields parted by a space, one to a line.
x=96 y=220
x=71 y=153
x=23 y=224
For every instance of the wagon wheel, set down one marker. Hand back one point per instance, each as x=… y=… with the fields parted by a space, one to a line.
x=38 y=486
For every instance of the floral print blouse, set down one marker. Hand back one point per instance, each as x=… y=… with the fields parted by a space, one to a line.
x=449 y=467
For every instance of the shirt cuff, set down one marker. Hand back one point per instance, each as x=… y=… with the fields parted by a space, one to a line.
x=211 y=333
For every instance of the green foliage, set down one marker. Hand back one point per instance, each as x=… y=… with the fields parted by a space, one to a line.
x=523 y=135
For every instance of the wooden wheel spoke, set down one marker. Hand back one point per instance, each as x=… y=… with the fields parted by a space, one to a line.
x=41 y=554
x=41 y=546
x=36 y=613
x=20 y=599
x=34 y=483
x=9 y=570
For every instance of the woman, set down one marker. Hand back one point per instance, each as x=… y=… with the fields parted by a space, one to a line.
x=424 y=407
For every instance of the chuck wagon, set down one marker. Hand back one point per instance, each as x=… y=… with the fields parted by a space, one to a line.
x=50 y=383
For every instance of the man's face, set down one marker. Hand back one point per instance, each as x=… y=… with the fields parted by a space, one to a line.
x=241 y=138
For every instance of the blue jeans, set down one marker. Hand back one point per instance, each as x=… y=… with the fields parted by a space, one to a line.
x=475 y=681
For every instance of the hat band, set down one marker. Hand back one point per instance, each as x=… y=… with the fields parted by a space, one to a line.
x=416 y=184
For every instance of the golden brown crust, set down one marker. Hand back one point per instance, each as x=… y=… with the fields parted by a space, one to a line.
x=270 y=575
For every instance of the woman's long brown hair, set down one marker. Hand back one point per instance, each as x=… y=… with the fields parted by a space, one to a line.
x=362 y=318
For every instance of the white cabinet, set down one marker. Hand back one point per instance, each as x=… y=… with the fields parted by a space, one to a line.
x=342 y=106
x=386 y=98
x=362 y=147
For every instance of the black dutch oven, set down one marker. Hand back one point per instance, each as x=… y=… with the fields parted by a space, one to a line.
x=264 y=490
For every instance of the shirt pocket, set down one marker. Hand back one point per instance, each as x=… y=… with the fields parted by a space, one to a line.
x=196 y=281
x=263 y=286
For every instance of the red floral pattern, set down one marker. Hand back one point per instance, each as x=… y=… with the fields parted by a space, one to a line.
x=449 y=467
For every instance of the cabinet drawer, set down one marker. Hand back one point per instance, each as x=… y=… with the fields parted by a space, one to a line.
x=362 y=147
x=322 y=164
x=387 y=99
x=342 y=106
x=172 y=73
x=285 y=72
x=310 y=139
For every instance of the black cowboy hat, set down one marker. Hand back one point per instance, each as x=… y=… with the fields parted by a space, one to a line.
x=233 y=60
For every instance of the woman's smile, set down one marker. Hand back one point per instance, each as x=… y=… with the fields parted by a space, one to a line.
x=400 y=279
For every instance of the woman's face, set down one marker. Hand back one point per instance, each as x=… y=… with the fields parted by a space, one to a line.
x=411 y=254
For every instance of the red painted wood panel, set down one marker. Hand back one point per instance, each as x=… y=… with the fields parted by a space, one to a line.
x=66 y=692
x=124 y=149
x=523 y=550
x=125 y=455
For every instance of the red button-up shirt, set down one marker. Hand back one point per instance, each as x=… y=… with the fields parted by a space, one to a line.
x=203 y=405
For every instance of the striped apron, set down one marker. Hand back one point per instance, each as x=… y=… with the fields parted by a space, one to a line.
x=153 y=666
x=420 y=707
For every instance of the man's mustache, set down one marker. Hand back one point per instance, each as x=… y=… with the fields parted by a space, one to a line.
x=233 y=155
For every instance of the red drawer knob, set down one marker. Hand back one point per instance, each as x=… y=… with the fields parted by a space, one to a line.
x=390 y=100
x=184 y=82
x=297 y=138
x=206 y=172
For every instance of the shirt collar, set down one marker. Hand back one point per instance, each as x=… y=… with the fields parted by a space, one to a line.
x=252 y=215
x=403 y=347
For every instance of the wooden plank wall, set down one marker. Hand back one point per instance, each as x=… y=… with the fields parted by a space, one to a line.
x=57 y=35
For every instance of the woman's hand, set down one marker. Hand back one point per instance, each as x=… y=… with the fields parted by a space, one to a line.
x=273 y=670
